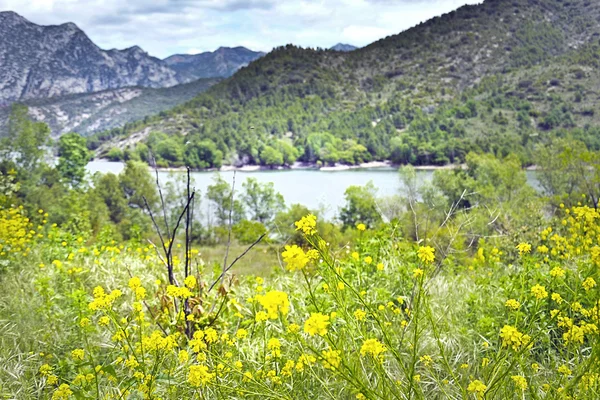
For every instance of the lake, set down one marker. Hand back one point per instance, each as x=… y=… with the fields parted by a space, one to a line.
x=323 y=190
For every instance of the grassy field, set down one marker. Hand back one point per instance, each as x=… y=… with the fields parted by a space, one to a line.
x=381 y=319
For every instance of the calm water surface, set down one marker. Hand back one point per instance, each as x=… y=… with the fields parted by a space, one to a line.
x=315 y=189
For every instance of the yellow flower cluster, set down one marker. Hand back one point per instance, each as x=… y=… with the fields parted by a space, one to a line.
x=190 y=282
x=478 y=388
x=426 y=254
x=274 y=303
x=274 y=346
x=16 y=233
x=331 y=359
x=589 y=283
x=372 y=347
x=77 y=354
x=524 y=248
x=179 y=292
x=103 y=301
x=317 y=324
x=511 y=337
x=520 y=381
x=512 y=304
x=62 y=393
x=199 y=375
x=295 y=258
x=539 y=292
x=157 y=341
x=307 y=224
x=135 y=284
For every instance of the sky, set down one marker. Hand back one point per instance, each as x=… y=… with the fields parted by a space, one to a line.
x=166 y=27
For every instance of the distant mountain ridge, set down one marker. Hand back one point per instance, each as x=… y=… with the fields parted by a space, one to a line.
x=343 y=47
x=38 y=62
x=45 y=61
x=223 y=62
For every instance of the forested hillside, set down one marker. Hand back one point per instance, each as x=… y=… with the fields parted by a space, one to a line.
x=497 y=77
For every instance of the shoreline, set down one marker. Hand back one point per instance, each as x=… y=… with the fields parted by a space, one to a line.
x=306 y=166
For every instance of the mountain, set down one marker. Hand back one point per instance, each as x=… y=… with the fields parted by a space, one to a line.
x=45 y=61
x=502 y=76
x=223 y=62
x=343 y=47
x=88 y=113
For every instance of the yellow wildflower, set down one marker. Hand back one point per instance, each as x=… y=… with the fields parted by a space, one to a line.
x=511 y=337
x=563 y=369
x=524 y=248
x=274 y=302
x=478 y=388
x=274 y=345
x=539 y=292
x=360 y=315
x=199 y=376
x=589 y=283
x=520 y=381
x=316 y=324
x=331 y=359
x=295 y=258
x=261 y=316
x=77 y=354
x=179 y=292
x=557 y=272
x=241 y=333
x=512 y=304
x=361 y=227
x=190 y=282
x=183 y=356
x=307 y=225
x=426 y=254
x=372 y=347
x=62 y=393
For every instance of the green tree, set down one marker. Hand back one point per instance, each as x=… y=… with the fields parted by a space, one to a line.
x=73 y=157
x=271 y=157
x=289 y=152
x=26 y=139
x=361 y=206
x=108 y=188
x=136 y=183
x=262 y=201
x=220 y=196
x=203 y=154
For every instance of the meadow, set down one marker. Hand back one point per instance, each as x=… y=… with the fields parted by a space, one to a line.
x=381 y=317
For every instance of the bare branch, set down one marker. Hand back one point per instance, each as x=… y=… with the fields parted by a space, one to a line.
x=225 y=270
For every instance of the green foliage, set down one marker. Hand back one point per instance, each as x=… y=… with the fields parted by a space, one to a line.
x=568 y=170
x=26 y=140
x=247 y=232
x=115 y=154
x=261 y=200
x=271 y=157
x=223 y=203
x=73 y=157
x=361 y=206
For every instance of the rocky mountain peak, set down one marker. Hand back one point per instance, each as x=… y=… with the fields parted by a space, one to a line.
x=46 y=61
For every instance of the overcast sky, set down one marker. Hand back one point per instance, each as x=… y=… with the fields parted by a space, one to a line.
x=165 y=27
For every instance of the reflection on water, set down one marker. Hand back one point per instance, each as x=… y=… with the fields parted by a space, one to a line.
x=315 y=189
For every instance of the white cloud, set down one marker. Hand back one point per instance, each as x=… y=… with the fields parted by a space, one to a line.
x=165 y=27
